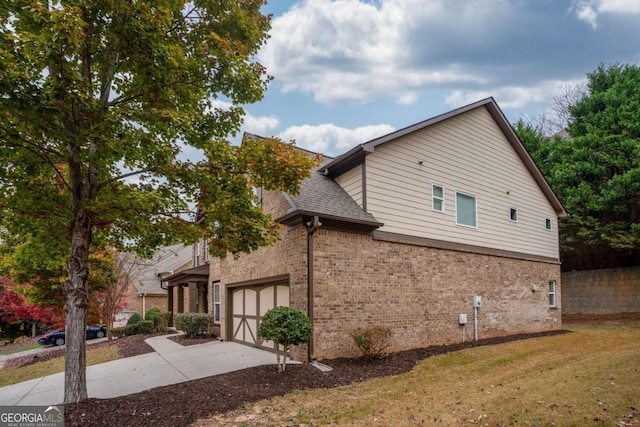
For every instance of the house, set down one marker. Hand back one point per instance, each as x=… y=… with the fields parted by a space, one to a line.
x=409 y=231
x=145 y=287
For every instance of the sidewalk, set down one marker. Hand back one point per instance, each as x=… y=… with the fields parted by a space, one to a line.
x=171 y=363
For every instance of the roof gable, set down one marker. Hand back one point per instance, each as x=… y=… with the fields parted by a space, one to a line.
x=356 y=155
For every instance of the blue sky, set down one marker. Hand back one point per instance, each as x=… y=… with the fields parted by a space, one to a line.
x=347 y=71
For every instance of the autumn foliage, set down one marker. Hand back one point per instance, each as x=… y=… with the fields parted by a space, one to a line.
x=17 y=316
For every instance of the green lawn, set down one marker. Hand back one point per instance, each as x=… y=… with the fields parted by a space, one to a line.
x=10 y=375
x=589 y=377
x=20 y=349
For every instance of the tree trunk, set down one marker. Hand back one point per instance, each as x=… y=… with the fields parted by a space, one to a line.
x=278 y=355
x=77 y=289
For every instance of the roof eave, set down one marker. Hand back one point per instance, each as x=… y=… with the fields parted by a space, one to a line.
x=293 y=216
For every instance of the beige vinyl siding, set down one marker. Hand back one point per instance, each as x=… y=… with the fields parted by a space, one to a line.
x=351 y=182
x=469 y=154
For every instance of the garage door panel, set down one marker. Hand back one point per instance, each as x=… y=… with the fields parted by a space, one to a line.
x=266 y=299
x=250 y=302
x=249 y=305
x=238 y=301
x=282 y=293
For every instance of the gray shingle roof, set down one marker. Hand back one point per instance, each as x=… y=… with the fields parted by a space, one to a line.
x=146 y=273
x=322 y=196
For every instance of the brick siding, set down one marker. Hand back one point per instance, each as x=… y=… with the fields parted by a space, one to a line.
x=416 y=291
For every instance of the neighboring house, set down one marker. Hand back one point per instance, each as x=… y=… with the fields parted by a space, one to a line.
x=146 y=285
x=403 y=231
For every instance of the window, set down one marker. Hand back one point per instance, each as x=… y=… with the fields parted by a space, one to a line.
x=196 y=255
x=552 y=293
x=257 y=192
x=547 y=223
x=513 y=214
x=437 y=192
x=466 y=210
x=205 y=253
x=216 y=302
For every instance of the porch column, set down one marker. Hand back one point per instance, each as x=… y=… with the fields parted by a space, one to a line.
x=193 y=297
x=170 y=304
x=180 y=298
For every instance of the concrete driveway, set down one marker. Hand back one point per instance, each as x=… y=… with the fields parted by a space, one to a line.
x=171 y=363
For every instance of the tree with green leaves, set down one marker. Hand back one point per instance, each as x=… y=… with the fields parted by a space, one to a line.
x=600 y=178
x=97 y=101
x=285 y=326
x=596 y=173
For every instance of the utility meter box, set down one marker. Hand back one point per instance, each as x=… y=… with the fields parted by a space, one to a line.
x=477 y=301
x=462 y=319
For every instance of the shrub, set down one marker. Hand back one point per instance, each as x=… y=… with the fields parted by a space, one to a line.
x=119 y=332
x=21 y=339
x=135 y=318
x=372 y=341
x=145 y=326
x=193 y=324
x=133 y=329
x=161 y=322
x=151 y=313
x=159 y=318
x=285 y=326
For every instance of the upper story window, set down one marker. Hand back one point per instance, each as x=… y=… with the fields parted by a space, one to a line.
x=257 y=192
x=547 y=223
x=205 y=253
x=513 y=214
x=466 y=213
x=437 y=199
x=196 y=254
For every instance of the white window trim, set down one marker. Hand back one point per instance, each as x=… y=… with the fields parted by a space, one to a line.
x=196 y=255
x=216 y=303
x=433 y=197
x=554 y=293
x=550 y=221
x=517 y=214
x=476 y=209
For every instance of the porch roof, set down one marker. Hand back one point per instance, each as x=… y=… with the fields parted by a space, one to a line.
x=195 y=274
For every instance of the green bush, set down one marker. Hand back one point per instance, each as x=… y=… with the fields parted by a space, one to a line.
x=135 y=318
x=285 y=326
x=145 y=326
x=133 y=329
x=161 y=322
x=194 y=324
x=372 y=341
x=119 y=332
x=151 y=313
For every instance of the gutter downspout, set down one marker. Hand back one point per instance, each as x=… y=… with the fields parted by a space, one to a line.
x=312 y=227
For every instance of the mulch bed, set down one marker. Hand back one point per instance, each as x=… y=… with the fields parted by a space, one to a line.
x=183 y=340
x=184 y=403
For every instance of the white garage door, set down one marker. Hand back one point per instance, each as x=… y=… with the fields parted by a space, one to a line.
x=249 y=305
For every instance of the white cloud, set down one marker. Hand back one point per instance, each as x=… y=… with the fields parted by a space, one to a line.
x=354 y=51
x=261 y=125
x=510 y=97
x=619 y=6
x=589 y=10
x=585 y=12
x=330 y=139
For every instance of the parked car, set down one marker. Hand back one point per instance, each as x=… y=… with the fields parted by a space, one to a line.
x=57 y=337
